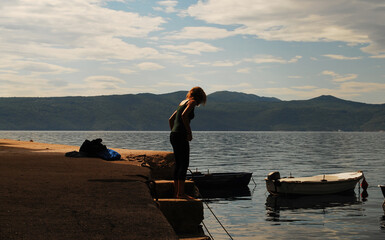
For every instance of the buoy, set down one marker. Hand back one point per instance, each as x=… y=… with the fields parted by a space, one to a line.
x=364 y=184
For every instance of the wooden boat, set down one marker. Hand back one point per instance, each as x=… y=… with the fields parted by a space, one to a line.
x=316 y=185
x=220 y=180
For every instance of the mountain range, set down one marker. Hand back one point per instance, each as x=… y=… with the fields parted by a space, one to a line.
x=224 y=111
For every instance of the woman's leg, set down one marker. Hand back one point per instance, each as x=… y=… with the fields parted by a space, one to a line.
x=181 y=149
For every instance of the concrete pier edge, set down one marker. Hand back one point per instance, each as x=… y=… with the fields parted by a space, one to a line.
x=46 y=195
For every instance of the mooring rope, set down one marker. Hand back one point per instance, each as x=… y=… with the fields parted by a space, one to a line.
x=207 y=230
x=253 y=180
x=218 y=220
x=212 y=212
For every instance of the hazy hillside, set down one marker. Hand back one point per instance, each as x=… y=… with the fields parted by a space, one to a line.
x=223 y=111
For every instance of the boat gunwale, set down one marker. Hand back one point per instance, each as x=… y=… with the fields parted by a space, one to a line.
x=322 y=181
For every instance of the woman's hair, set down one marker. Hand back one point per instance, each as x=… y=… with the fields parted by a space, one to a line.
x=197 y=94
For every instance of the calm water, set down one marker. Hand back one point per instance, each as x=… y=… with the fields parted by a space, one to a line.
x=255 y=215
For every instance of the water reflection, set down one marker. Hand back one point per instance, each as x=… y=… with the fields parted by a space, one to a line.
x=276 y=204
x=226 y=193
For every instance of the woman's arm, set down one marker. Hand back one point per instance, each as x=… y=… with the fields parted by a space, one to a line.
x=186 y=120
x=171 y=120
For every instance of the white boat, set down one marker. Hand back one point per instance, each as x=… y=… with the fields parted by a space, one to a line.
x=316 y=185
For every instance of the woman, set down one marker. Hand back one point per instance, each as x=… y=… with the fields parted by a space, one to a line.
x=181 y=135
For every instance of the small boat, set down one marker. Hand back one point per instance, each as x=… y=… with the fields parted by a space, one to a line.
x=316 y=185
x=220 y=180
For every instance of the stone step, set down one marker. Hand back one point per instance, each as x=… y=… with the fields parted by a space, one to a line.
x=165 y=189
x=185 y=216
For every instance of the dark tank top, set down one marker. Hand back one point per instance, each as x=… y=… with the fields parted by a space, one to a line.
x=178 y=122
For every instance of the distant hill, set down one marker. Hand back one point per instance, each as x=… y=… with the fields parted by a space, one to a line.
x=225 y=111
x=226 y=96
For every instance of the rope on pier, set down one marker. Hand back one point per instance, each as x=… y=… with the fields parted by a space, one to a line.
x=212 y=212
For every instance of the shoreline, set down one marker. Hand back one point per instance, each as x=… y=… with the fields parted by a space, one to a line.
x=46 y=195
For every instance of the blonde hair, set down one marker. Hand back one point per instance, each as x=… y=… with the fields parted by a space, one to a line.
x=197 y=94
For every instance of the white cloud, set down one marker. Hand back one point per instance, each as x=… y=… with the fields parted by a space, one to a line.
x=259 y=59
x=244 y=70
x=167 y=6
x=126 y=71
x=224 y=63
x=195 y=48
x=341 y=57
x=362 y=87
x=103 y=80
x=173 y=84
x=72 y=29
x=340 y=78
x=36 y=68
x=378 y=56
x=305 y=87
x=209 y=33
x=353 y=21
x=149 y=66
x=295 y=77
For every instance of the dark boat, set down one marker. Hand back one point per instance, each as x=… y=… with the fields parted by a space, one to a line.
x=220 y=180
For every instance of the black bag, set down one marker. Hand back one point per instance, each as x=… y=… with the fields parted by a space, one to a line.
x=93 y=148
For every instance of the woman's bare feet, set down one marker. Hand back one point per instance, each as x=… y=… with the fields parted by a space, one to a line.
x=185 y=196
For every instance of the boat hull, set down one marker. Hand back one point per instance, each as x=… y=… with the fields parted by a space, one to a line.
x=308 y=187
x=220 y=180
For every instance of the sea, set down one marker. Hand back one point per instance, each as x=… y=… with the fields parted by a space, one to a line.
x=254 y=214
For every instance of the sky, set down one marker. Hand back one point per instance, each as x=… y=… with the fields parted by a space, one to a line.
x=288 y=49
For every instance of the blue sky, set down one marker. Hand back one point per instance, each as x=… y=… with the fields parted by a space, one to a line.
x=289 y=49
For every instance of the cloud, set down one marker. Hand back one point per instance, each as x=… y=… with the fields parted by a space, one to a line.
x=361 y=87
x=354 y=21
x=209 y=33
x=341 y=57
x=167 y=6
x=244 y=70
x=305 y=87
x=259 y=59
x=378 y=56
x=295 y=77
x=340 y=78
x=103 y=80
x=73 y=30
x=126 y=71
x=149 y=66
x=195 y=48
x=35 y=68
x=225 y=63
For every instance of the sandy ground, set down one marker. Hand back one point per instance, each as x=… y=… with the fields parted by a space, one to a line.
x=45 y=195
